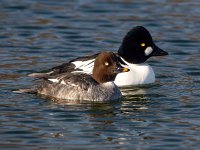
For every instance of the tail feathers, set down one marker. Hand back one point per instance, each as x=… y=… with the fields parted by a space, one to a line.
x=38 y=75
x=32 y=91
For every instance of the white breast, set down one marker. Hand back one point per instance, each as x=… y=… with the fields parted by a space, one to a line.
x=138 y=74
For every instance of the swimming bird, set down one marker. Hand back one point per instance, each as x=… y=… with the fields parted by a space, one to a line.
x=137 y=46
x=98 y=86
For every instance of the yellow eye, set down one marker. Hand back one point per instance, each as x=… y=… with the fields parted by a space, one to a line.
x=143 y=44
x=106 y=64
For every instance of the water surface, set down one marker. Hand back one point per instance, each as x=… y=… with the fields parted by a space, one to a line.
x=37 y=35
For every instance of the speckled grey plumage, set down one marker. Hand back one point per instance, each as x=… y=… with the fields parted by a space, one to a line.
x=79 y=86
x=98 y=86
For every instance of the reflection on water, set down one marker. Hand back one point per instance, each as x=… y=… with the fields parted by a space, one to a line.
x=37 y=35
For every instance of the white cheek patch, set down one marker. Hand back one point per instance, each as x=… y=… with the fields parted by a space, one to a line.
x=148 y=51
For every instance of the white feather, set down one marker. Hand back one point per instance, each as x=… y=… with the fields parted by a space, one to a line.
x=54 y=80
x=86 y=66
x=63 y=82
x=72 y=84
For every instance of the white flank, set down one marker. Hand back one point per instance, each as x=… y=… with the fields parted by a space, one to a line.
x=148 y=51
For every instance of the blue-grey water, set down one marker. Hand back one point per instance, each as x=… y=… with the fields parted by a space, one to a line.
x=37 y=35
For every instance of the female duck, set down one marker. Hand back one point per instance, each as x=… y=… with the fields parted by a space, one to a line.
x=81 y=86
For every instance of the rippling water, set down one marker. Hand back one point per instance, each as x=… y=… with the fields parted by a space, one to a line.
x=37 y=35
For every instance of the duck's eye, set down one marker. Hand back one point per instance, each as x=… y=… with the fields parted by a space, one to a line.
x=143 y=44
x=107 y=64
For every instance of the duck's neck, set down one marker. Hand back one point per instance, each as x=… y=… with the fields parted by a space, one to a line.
x=103 y=78
x=124 y=62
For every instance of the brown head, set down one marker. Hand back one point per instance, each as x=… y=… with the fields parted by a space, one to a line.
x=106 y=67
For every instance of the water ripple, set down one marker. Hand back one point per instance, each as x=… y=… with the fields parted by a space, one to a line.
x=37 y=35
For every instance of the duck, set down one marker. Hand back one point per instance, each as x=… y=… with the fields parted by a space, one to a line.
x=137 y=46
x=98 y=86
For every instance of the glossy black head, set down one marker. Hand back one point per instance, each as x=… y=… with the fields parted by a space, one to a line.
x=137 y=46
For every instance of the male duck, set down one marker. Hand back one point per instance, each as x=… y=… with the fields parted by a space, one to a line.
x=137 y=46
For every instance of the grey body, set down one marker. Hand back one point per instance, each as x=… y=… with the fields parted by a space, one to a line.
x=98 y=86
x=78 y=86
